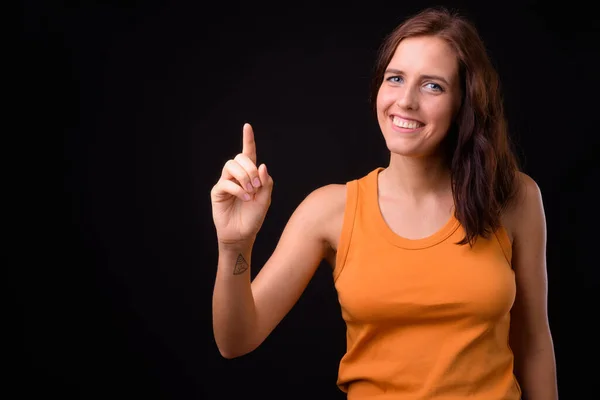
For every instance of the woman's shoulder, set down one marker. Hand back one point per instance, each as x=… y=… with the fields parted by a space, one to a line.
x=525 y=205
x=326 y=199
x=324 y=207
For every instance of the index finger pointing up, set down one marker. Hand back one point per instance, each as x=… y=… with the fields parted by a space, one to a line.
x=249 y=145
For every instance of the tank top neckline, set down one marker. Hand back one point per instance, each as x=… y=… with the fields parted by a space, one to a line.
x=412 y=244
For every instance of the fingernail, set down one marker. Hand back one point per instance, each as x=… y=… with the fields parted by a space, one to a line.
x=249 y=187
x=256 y=182
x=246 y=196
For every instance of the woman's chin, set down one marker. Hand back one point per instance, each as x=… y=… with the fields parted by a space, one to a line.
x=410 y=148
x=403 y=150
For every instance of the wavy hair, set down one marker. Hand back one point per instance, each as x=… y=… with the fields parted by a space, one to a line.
x=481 y=160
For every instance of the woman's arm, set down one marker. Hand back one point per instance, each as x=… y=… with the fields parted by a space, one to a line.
x=530 y=336
x=245 y=312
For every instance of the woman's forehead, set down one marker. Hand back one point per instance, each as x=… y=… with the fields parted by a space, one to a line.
x=425 y=55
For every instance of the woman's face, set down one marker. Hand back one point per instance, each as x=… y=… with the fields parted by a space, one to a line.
x=419 y=96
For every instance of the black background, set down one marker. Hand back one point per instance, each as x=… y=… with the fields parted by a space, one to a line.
x=150 y=98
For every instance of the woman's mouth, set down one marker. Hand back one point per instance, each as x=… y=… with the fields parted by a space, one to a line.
x=406 y=125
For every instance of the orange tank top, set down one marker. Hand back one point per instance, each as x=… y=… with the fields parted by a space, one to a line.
x=425 y=318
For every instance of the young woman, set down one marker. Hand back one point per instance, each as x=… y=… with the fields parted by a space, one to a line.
x=438 y=259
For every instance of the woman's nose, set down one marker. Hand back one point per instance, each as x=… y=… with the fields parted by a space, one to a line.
x=408 y=99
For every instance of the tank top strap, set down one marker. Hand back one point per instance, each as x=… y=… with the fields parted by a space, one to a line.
x=347 y=226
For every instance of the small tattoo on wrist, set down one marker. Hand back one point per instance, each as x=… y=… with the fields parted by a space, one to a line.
x=240 y=265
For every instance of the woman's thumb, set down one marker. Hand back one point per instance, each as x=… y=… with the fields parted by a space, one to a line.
x=265 y=178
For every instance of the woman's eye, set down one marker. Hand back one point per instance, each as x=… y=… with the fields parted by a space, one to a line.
x=435 y=87
x=395 y=79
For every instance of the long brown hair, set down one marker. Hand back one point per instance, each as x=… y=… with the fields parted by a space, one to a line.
x=482 y=164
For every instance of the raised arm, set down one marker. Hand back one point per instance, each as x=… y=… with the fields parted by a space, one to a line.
x=245 y=312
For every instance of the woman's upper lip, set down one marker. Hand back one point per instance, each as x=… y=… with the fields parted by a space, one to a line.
x=406 y=118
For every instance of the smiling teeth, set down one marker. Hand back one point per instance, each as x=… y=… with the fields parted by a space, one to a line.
x=402 y=123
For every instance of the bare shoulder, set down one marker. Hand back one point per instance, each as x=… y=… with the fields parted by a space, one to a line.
x=326 y=199
x=526 y=210
x=326 y=206
x=326 y=203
